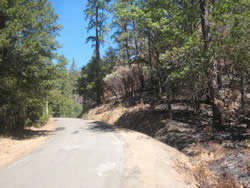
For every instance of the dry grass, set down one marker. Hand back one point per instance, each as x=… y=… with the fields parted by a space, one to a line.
x=207 y=179
x=227 y=181
x=107 y=113
x=12 y=148
x=183 y=166
x=202 y=173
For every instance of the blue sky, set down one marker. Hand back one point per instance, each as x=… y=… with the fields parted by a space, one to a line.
x=74 y=33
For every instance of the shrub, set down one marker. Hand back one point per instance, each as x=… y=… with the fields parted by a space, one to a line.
x=124 y=81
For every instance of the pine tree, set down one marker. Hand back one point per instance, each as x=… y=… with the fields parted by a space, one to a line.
x=95 y=12
x=27 y=45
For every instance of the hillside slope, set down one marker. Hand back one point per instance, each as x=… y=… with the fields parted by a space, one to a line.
x=223 y=154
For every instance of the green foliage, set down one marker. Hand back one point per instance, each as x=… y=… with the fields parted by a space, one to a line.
x=42 y=120
x=27 y=45
x=29 y=81
x=85 y=116
x=195 y=46
x=87 y=83
x=96 y=14
x=61 y=98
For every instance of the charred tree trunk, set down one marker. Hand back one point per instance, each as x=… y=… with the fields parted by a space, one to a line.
x=140 y=64
x=213 y=72
x=242 y=88
x=196 y=101
x=170 y=101
x=127 y=44
x=150 y=58
x=135 y=37
x=159 y=75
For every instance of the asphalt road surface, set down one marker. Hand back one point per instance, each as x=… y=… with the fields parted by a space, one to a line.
x=89 y=154
x=81 y=154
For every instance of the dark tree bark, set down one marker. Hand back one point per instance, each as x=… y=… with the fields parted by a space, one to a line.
x=97 y=67
x=243 y=90
x=213 y=72
x=127 y=44
x=140 y=64
x=150 y=58
x=159 y=74
x=135 y=37
x=205 y=25
x=170 y=101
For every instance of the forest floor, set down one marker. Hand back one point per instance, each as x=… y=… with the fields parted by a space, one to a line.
x=219 y=158
x=19 y=144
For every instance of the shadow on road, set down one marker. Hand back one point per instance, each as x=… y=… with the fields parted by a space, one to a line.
x=60 y=129
x=98 y=126
x=28 y=134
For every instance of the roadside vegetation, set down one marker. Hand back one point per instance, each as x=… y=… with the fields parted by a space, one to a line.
x=190 y=51
x=34 y=81
x=177 y=71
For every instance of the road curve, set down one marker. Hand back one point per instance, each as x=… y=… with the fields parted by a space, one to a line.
x=89 y=154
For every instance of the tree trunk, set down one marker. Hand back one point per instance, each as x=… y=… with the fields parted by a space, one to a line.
x=140 y=64
x=205 y=25
x=136 y=44
x=21 y=116
x=47 y=107
x=196 y=100
x=213 y=72
x=170 y=100
x=159 y=75
x=97 y=67
x=150 y=58
x=242 y=88
x=127 y=44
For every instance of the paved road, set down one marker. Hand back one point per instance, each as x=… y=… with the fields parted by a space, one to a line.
x=80 y=154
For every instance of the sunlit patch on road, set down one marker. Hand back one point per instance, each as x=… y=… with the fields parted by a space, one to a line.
x=101 y=169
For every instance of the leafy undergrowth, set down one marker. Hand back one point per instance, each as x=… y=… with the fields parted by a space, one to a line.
x=220 y=158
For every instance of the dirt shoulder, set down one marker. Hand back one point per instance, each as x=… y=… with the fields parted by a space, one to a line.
x=12 y=148
x=154 y=164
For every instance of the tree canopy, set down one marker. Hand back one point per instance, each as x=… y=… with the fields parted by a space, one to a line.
x=173 y=47
x=27 y=72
